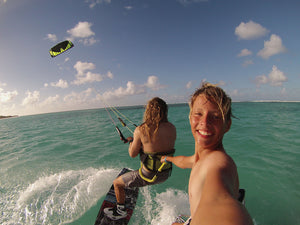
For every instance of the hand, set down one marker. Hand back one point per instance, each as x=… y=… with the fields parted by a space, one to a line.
x=129 y=139
x=163 y=159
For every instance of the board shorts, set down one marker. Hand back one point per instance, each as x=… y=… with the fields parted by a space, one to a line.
x=133 y=178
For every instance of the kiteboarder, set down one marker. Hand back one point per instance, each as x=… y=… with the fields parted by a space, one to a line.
x=214 y=183
x=154 y=138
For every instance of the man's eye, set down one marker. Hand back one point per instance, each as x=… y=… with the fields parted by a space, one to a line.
x=217 y=117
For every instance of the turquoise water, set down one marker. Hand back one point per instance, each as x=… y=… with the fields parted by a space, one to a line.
x=56 y=168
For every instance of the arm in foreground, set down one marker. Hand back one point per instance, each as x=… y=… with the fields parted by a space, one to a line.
x=227 y=213
x=180 y=161
x=218 y=206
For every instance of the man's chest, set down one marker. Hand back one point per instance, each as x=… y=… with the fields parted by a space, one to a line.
x=196 y=182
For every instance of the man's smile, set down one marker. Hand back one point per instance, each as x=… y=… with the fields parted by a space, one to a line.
x=204 y=133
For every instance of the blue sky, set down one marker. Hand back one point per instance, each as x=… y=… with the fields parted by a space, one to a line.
x=128 y=51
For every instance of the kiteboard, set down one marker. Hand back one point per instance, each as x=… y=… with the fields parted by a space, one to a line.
x=110 y=200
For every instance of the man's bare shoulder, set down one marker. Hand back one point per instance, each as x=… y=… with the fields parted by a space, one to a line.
x=213 y=162
x=137 y=131
x=167 y=125
x=219 y=158
x=219 y=164
x=167 y=130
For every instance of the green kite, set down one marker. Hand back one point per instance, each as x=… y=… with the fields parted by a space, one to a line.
x=60 y=48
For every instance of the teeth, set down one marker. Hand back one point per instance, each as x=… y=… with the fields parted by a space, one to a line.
x=204 y=133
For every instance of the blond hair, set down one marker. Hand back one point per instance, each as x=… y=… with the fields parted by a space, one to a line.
x=156 y=112
x=214 y=94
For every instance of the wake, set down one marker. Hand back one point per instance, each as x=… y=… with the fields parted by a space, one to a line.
x=61 y=198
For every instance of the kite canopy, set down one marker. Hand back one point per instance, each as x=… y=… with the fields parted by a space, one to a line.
x=60 y=48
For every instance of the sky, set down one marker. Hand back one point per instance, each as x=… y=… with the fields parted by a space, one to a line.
x=128 y=51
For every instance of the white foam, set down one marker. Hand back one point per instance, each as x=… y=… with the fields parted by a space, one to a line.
x=170 y=204
x=62 y=197
x=162 y=208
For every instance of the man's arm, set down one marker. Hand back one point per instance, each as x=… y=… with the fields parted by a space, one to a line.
x=135 y=144
x=180 y=161
x=218 y=204
x=226 y=212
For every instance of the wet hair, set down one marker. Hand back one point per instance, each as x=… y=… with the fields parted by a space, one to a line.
x=156 y=112
x=214 y=94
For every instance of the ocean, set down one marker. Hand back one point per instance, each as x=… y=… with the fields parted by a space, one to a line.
x=56 y=168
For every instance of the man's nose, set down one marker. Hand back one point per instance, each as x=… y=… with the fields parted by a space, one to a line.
x=205 y=120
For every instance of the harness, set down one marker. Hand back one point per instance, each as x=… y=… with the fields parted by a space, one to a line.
x=152 y=162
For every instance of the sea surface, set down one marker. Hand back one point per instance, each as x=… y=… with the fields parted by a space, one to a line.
x=56 y=168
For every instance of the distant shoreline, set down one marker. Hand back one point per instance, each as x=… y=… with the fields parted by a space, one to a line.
x=5 y=117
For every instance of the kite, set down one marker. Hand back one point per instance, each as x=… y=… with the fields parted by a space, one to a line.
x=60 y=48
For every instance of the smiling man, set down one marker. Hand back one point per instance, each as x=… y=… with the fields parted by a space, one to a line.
x=214 y=183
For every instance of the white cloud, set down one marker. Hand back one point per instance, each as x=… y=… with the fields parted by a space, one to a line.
x=234 y=93
x=261 y=79
x=50 y=100
x=88 y=77
x=3 y=2
x=110 y=75
x=85 y=76
x=272 y=47
x=74 y=98
x=275 y=78
x=247 y=63
x=81 y=30
x=93 y=3
x=61 y=84
x=188 y=85
x=7 y=96
x=128 y=8
x=133 y=89
x=244 y=52
x=81 y=67
x=88 y=41
x=8 y=109
x=250 y=30
x=3 y=84
x=51 y=37
x=221 y=83
x=187 y=2
x=153 y=83
x=32 y=98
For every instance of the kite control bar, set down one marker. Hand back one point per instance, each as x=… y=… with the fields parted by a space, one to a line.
x=125 y=140
x=121 y=135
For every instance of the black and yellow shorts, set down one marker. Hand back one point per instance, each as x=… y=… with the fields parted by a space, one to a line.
x=133 y=178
